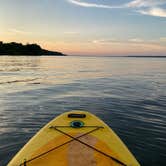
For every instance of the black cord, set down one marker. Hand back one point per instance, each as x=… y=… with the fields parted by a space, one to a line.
x=76 y=139
x=54 y=127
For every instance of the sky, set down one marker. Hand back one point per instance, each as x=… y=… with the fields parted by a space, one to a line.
x=87 y=27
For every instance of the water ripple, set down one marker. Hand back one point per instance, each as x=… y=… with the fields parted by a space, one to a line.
x=131 y=100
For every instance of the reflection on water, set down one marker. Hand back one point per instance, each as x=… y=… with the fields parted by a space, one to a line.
x=129 y=94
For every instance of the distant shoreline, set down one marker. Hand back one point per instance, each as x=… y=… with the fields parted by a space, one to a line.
x=146 y=56
x=18 y=49
x=121 y=56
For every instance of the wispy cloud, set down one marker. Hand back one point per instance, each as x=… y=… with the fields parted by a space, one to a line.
x=145 y=3
x=157 y=12
x=138 y=46
x=111 y=41
x=71 y=33
x=93 y=5
x=149 y=7
x=130 y=41
x=104 y=41
x=145 y=7
x=136 y=40
x=18 y=31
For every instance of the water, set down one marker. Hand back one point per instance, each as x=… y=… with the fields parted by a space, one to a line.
x=129 y=94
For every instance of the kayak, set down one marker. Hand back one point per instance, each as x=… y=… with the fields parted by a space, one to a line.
x=75 y=138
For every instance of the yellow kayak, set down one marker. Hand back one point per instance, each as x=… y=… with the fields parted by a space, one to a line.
x=75 y=138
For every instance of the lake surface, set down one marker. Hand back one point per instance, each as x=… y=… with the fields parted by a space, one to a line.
x=129 y=94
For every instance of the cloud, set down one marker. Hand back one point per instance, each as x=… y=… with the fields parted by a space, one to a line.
x=134 y=41
x=93 y=5
x=71 y=33
x=129 y=46
x=18 y=31
x=104 y=41
x=145 y=3
x=149 y=7
x=131 y=4
x=157 y=12
x=146 y=7
x=109 y=41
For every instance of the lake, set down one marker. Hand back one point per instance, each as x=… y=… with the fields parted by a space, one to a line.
x=129 y=94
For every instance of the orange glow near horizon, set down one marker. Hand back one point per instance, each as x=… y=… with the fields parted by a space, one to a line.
x=90 y=48
x=94 y=48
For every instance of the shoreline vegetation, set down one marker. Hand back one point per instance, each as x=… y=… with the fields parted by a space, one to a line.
x=18 y=49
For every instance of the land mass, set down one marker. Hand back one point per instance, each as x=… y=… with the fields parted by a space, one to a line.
x=14 y=48
x=147 y=56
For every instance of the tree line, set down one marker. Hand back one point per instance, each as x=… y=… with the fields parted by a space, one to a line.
x=14 y=48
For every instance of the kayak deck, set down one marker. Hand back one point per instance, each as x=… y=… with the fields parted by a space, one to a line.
x=75 y=138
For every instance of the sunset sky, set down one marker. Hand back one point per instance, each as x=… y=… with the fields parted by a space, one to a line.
x=87 y=27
